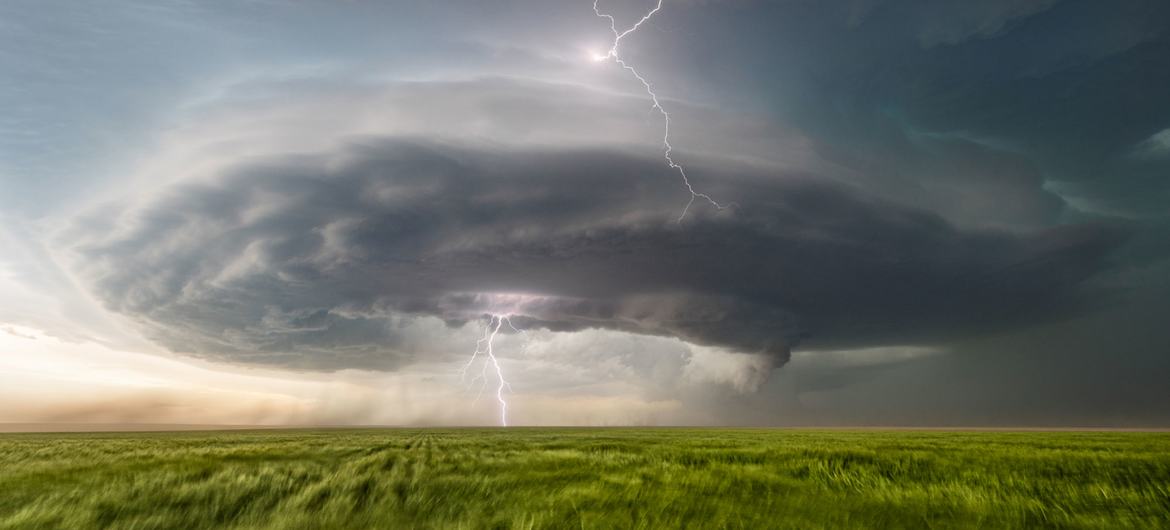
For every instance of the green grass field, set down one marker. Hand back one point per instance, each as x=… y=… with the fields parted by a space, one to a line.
x=585 y=478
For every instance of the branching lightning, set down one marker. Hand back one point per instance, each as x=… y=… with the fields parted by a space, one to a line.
x=613 y=54
x=485 y=347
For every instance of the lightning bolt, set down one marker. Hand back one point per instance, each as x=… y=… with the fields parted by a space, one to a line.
x=485 y=347
x=613 y=54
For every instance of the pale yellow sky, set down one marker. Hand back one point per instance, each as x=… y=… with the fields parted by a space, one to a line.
x=44 y=379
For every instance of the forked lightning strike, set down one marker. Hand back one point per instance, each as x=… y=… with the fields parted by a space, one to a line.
x=484 y=346
x=613 y=54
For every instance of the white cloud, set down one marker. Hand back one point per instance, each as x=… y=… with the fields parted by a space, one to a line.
x=1154 y=147
x=743 y=372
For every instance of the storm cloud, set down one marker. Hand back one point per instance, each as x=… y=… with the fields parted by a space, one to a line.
x=326 y=261
x=945 y=212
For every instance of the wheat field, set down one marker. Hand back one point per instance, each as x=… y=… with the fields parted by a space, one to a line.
x=585 y=478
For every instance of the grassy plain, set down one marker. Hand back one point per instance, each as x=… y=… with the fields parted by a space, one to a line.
x=585 y=478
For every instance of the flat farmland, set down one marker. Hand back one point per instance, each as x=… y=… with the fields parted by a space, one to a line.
x=585 y=478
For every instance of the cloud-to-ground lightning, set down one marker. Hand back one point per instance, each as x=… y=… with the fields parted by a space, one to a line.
x=612 y=54
x=485 y=346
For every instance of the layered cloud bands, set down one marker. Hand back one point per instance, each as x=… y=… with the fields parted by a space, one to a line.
x=351 y=258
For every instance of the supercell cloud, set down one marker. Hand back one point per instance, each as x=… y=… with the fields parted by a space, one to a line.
x=928 y=196
x=325 y=260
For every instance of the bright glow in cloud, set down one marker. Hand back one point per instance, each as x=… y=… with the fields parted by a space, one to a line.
x=667 y=148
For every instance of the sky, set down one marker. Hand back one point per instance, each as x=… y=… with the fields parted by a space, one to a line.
x=937 y=213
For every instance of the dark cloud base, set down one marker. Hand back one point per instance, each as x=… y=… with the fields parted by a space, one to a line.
x=324 y=262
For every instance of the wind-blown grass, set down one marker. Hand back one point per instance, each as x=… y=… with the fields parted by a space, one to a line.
x=585 y=478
